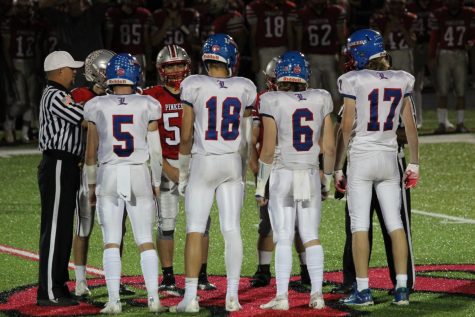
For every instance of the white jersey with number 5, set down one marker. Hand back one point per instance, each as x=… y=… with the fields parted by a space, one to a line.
x=122 y=123
x=218 y=105
x=299 y=119
x=379 y=97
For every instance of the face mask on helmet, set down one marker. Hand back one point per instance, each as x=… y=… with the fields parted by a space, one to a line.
x=173 y=65
x=269 y=73
x=95 y=66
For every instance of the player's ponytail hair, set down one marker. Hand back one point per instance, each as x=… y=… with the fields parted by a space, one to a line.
x=379 y=63
x=289 y=86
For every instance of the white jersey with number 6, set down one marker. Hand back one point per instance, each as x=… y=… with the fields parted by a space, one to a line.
x=122 y=123
x=218 y=105
x=299 y=118
x=379 y=96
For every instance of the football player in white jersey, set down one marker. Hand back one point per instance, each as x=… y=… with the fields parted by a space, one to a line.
x=216 y=120
x=294 y=118
x=378 y=96
x=121 y=138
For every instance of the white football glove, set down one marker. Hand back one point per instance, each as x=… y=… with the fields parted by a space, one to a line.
x=411 y=175
x=340 y=181
x=327 y=178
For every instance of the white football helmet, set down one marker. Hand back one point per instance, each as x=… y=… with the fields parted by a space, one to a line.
x=173 y=54
x=95 y=66
x=270 y=74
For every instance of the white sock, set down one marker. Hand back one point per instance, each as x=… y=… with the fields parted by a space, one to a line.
x=265 y=257
x=303 y=258
x=233 y=253
x=191 y=288
x=362 y=283
x=401 y=280
x=283 y=266
x=149 y=264
x=460 y=116
x=315 y=267
x=112 y=269
x=80 y=272
x=442 y=115
x=232 y=289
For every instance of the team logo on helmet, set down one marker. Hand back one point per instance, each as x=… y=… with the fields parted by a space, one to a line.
x=297 y=69
x=120 y=72
x=215 y=48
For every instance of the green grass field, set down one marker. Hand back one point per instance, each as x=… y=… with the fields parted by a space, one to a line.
x=447 y=187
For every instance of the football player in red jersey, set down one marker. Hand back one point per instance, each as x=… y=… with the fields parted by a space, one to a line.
x=453 y=28
x=423 y=9
x=173 y=65
x=320 y=33
x=20 y=40
x=269 y=32
x=94 y=71
x=128 y=29
x=175 y=24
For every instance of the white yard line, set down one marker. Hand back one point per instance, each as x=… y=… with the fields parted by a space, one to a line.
x=35 y=257
x=9 y=152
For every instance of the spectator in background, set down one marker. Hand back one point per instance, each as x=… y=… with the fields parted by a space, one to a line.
x=175 y=24
x=270 y=34
x=77 y=26
x=423 y=9
x=452 y=29
x=320 y=33
x=128 y=28
x=5 y=78
x=20 y=42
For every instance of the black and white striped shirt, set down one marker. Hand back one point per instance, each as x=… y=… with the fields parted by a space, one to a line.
x=60 y=121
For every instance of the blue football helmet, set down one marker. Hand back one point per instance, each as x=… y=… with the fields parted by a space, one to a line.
x=123 y=69
x=292 y=67
x=364 y=45
x=221 y=48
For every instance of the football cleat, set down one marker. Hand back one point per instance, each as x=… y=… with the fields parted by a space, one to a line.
x=278 y=303
x=192 y=307
x=112 y=308
x=124 y=290
x=81 y=289
x=441 y=129
x=155 y=306
x=260 y=279
x=461 y=128
x=401 y=296
x=232 y=305
x=171 y=289
x=316 y=301
x=343 y=289
x=363 y=298
x=205 y=285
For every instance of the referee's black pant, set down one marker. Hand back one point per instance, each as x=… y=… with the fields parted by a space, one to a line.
x=349 y=274
x=58 y=180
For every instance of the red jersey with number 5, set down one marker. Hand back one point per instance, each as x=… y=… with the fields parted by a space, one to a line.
x=271 y=20
x=170 y=123
x=129 y=29
x=455 y=31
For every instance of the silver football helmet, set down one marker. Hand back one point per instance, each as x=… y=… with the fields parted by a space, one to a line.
x=169 y=55
x=95 y=66
x=270 y=74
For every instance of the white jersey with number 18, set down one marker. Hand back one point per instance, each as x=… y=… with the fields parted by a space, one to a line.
x=379 y=97
x=218 y=105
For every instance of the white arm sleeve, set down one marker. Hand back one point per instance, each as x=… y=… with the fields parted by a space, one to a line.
x=156 y=160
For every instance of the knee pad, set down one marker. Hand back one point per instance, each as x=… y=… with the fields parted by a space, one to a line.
x=167 y=224
x=284 y=241
x=165 y=235
x=390 y=227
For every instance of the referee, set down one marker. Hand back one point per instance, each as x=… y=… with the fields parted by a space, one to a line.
x=60 y=140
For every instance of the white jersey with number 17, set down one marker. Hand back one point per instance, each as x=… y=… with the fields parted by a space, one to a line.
x=218 y=105
x=122 y=125
x=379 y=97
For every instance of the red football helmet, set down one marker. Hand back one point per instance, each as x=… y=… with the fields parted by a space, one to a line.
x=172 y=55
